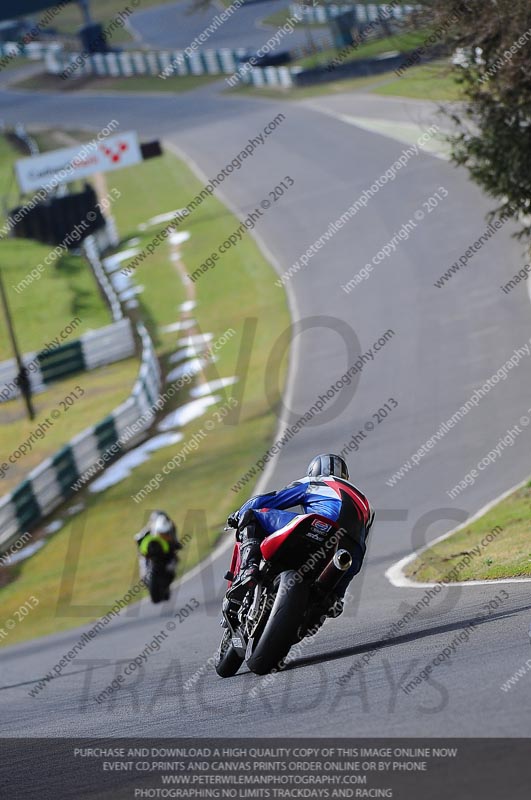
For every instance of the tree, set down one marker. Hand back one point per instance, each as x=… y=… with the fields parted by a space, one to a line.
x=493 y=133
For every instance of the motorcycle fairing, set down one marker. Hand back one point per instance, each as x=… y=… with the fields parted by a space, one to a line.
x=315 y=524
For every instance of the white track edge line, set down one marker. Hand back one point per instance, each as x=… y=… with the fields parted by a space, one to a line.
x=225 y=545
x=395 y=573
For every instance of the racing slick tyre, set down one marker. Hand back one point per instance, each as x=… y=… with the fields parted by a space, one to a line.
x=227 y=662
x=281 y=628
x=157 y=582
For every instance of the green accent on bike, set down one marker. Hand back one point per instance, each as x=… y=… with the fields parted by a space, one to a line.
x=146 y=541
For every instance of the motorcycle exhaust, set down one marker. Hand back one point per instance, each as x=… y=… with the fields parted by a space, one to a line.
x=342 y=560
x=333 y=572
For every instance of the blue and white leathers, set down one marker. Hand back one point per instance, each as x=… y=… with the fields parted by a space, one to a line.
x=323 y=495
x=331 y=497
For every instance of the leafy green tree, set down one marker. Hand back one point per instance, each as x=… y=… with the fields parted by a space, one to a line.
x=492 y=41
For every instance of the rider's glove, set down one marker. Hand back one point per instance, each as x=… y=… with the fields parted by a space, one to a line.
x=233 y=520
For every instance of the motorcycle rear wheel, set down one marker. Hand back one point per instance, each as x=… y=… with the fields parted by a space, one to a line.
x=281 y=629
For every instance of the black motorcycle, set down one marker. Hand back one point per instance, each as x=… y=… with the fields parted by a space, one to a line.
x=159 y=573
x=300 y=568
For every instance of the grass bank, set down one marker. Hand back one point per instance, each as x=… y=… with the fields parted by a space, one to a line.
x=428 y=82
x=91 y=561
x=98 y=394
x=433 y=81
x=279 y=18
x=136 y=83
x=499 y=544
x=400 y=42
x=107 y=12
x=66 y=285
x=61 y=303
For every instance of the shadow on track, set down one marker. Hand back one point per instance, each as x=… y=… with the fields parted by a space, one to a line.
x=397 y=640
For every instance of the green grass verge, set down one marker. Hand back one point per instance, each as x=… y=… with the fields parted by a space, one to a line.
x=334 y=87
x=241 y=286
x=279 y=18
x=429 y=82
x=16 y=63
x=70 y=20
x=66 y=286
x=104 y=389
x=508 y=555
x=8 y=186
x=136 y=83
x=401 y=43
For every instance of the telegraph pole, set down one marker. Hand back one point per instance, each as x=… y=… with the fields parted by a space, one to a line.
x=23 y=378
x=84 y=4
x=311 y=44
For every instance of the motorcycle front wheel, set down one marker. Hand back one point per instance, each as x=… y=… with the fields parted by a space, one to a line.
x=227 y=662
x=158 y=580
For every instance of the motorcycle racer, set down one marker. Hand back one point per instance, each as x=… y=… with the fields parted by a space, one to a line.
x=325 y=490
x=157 y=539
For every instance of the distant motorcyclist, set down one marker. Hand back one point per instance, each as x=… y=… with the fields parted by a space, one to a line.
x=326 y=491
x=158 y=545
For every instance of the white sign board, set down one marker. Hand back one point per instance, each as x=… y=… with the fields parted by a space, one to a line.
x=51 y=169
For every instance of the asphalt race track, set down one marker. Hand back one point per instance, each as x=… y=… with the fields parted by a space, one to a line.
x=446 y=342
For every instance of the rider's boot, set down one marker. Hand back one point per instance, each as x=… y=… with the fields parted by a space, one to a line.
x=249 y=566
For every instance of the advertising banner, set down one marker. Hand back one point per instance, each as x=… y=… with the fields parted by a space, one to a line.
x=72 y=163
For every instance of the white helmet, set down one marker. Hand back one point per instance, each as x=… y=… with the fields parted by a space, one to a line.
x=161 y=525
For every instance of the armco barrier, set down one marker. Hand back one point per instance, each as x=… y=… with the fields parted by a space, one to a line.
x=364 y=13
x=128 y=64
x=92 y=350
x=92 y=254
x=36 y=51
x=361 y=67
x=270 y=76
x=51 y=483
x=158 y=62
x=318 y=14
x=25 y=139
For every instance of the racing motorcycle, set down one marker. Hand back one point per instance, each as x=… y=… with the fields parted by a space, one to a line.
x=301 y=565
x=159 y=572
